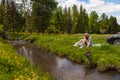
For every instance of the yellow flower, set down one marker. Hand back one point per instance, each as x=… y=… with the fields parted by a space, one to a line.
x=28 y=79
x=16 y=79
x=21 y=76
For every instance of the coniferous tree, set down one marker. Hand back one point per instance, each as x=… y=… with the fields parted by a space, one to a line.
x=75 y=14
x=24 y=7
x=85 y=21
x=69 y=21
x=41 y=13
x=1 y=14
x=7 y=17
x=103 y=23
x=93 y=22
x=28 y=26
x=13 y=20
x=118 y=28
x=43 y=17
x=113 y=25
x=57 y=21
x=82 y=22
x=3 y=3
x=65 y=11
x=79 y=26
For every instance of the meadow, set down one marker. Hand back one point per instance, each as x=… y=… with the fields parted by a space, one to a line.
x=103 y=57
x=16 y=67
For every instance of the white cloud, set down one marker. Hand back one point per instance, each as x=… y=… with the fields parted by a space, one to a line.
x=69 y=3
x=118 y=18
x=108 y=8
x=100 y=6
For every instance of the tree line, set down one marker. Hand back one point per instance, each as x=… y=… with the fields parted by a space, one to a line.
x=43 y=16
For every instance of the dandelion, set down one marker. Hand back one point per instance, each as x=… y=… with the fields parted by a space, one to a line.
x=28 y=79
x=16 y=79
x=21 y=77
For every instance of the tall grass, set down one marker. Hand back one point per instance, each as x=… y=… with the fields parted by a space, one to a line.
x=15 y=67
x=104 y=57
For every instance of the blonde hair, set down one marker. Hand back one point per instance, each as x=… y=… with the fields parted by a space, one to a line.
x=86 y=34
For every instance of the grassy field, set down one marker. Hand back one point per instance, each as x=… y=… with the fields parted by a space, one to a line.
x=103 y=57
x=15 y=67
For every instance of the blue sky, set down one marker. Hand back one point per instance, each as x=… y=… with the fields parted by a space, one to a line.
x=114 y=1
x=110 y=7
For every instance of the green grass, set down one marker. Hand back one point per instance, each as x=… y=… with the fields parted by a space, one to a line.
x=16 y=67
x=104 y=57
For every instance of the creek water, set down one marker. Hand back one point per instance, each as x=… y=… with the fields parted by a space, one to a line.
x=61 y=68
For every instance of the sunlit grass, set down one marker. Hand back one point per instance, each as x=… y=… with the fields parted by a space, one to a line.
x=104 y=57
x=15 y=67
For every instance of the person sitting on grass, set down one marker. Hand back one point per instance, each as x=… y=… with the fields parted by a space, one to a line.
x=86 y=41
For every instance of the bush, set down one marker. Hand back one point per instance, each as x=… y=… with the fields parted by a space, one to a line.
x=52 y=29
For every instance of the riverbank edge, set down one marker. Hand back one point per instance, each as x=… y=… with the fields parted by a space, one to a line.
x=16 y=64
x=82 y=60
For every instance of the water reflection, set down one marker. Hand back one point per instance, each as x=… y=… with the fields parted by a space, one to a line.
x=62 y=68
x=63 y=63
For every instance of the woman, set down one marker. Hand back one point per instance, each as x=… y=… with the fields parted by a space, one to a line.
x=86 y=41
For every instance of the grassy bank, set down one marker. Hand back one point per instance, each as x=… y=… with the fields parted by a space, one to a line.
x=104 y=57
x=15 y=67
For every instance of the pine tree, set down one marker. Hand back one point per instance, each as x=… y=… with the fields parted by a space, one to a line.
x=1 y=14
x=113 y=25
x=41 y=13
x=65 y=11
x=13 y=20
x=28 y=26
x=85 y=21
x=69 y=21
x=57 y=20
x=103 y=23
x=75 y=14
x=93 y=22
x=82 y=22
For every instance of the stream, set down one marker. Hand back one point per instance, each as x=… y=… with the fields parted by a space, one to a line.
x=61 y=68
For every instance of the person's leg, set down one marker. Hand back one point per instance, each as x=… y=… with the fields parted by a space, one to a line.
x=81 y=43
x=76 y=44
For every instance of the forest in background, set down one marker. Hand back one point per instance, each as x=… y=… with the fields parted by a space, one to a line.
x=43 y=16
